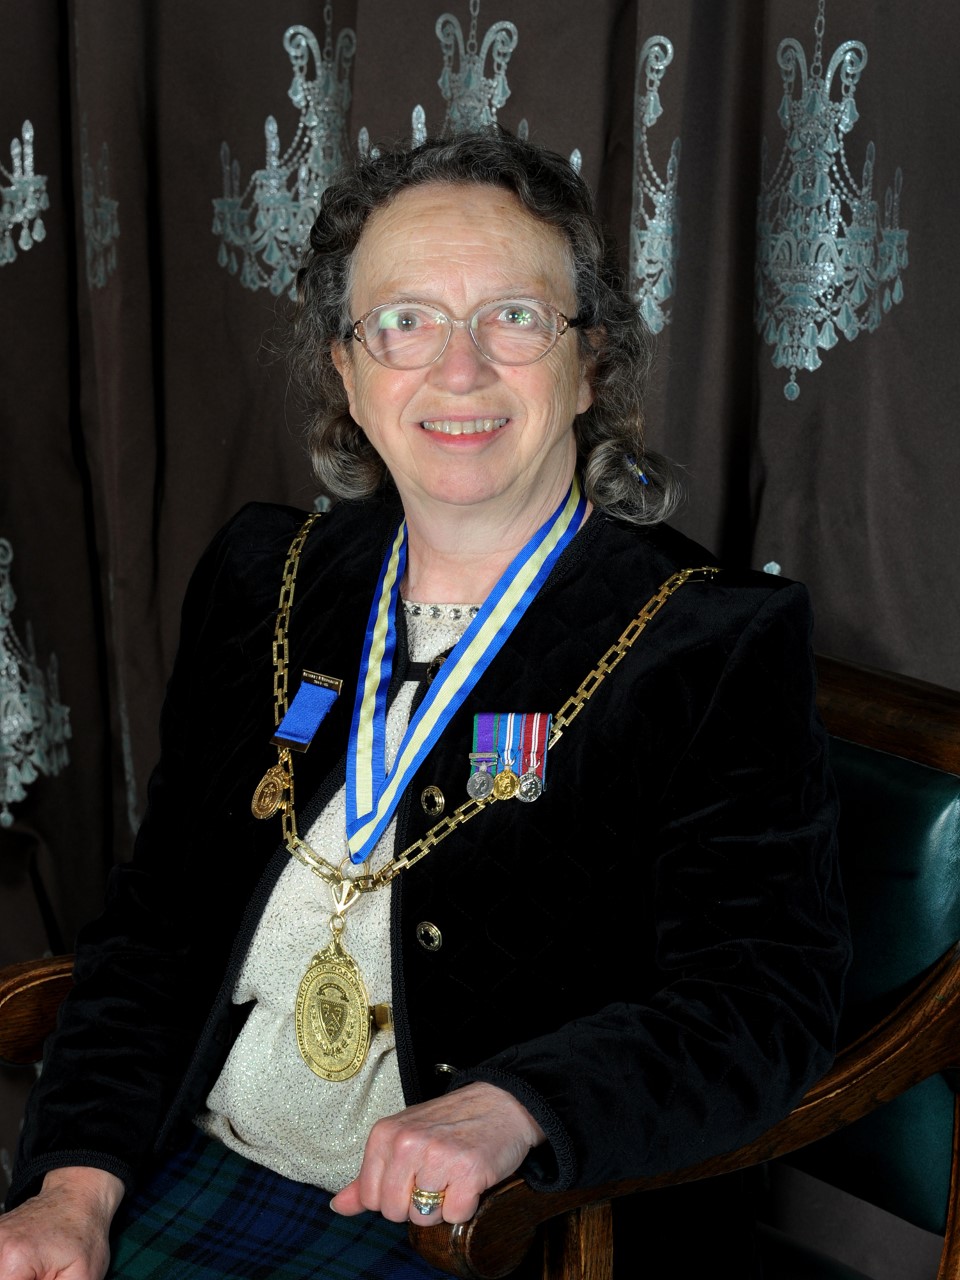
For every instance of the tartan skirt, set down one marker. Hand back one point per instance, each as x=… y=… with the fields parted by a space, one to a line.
x=208 y=1213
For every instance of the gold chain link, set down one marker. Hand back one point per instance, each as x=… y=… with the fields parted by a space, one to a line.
x=281 y=650
x=446 y=826
x=616 y=653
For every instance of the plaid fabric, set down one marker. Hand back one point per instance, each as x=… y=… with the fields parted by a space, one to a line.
x=208 y=1213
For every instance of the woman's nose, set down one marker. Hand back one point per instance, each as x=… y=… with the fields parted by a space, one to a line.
x=462 y=365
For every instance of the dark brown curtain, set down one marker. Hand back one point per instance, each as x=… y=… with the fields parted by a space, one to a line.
x=142 y=399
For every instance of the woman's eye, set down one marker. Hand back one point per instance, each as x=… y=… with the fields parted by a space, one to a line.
x=521 y=317
x=403 y=321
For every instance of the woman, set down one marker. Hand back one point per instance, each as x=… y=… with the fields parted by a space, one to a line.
x=622 y=954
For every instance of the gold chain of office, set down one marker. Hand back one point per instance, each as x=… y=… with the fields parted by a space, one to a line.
x=282 y=772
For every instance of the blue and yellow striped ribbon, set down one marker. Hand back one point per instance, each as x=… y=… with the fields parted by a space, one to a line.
x=372 y=793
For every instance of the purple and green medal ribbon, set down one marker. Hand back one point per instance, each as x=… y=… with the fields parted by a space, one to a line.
x=372 y=792
x=484 y=755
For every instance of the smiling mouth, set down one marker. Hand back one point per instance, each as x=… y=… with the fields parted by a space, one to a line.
x=471 y=427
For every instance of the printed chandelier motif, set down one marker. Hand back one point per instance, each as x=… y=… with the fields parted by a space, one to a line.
x=101 y=225
x=654 y=234
x=263 y=229
x=473 y=98
x=825 y=264
x=34 y=725
x=23 y=201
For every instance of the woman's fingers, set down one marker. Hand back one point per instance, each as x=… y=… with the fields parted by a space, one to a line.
x=459 y=1145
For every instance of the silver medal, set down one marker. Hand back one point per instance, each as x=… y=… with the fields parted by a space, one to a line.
x=480 y=784
x=530 y=787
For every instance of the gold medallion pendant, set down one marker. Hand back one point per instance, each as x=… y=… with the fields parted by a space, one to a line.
x=333 y=1014
x=268 y=796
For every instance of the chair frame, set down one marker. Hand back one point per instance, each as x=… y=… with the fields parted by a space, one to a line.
x=921 y=1037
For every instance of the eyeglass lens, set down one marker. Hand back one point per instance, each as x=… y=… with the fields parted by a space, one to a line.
x=409 y=335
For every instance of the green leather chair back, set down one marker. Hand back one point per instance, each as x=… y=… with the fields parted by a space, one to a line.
x=900 y=855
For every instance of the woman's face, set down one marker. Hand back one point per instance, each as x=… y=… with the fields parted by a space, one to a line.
x=457 y=247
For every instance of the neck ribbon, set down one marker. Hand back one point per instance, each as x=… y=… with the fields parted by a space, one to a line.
x=372 y=792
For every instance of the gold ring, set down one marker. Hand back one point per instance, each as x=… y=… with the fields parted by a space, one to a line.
x=426 y=1201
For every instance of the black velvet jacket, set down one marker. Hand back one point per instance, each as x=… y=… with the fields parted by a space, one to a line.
x=650 y=956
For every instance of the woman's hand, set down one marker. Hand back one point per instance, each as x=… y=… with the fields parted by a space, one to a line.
x=61 y=1233
x=460 y=1144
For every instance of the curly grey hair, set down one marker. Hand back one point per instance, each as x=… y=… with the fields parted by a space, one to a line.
x=619 y=476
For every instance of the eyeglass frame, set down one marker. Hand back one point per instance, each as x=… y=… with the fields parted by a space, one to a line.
x=563 y=323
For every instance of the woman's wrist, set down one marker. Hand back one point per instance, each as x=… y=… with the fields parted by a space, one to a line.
x=101 y=1189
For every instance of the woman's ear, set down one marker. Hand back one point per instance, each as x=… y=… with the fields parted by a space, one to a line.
x=588 y=364
x=342 y=358
x=585 y=396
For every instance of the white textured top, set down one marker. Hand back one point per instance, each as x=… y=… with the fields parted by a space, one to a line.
x=267 y=1103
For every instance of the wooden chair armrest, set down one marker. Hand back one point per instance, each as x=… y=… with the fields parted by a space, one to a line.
x=31 y=992
x=918 y=1039
x=888 y=712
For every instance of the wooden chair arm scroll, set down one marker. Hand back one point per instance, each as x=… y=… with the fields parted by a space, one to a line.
x=31 y=992
x=920 y=1038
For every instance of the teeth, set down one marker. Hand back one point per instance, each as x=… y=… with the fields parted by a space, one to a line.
x=470 y=428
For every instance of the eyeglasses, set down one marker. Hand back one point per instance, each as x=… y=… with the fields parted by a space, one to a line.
x=411 y=335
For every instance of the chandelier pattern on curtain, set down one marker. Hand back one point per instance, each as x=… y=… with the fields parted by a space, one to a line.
x=473 y=98
x=23 y=198
x=263 y=228
x=34 y=725
x=826 y=263
x=655 y=219
x=101 y=224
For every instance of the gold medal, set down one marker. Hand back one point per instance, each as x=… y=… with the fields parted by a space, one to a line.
x=333 y=1014
x=268 y=797
x=505 y=784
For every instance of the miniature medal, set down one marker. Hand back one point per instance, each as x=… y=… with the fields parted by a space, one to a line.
x=480 y=784
x=534 y=736
x=333 y=1014
x=505 y=784
x=529 y=787
x=483 y=763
